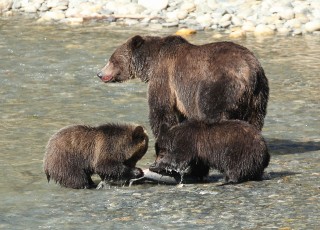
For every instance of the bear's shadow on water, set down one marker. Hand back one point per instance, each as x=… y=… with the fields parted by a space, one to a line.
x=282 y=147
x=279 y=147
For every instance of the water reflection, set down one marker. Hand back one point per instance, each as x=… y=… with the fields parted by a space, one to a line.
x=47 y=81
x=277 y=146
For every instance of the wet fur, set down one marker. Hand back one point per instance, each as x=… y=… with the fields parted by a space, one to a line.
x=235 y=148
x=76 y=152
x=210 y=82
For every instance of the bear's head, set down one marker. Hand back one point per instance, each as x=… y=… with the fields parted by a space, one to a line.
x=122 y=65
x=138 y=57
x=171 y=155
x=139 y=146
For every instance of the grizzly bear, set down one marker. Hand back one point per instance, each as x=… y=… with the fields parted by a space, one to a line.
x=235 y=148
x=211 y=82
x=76 y=152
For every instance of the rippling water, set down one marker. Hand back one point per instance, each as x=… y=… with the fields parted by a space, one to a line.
x=47 y=81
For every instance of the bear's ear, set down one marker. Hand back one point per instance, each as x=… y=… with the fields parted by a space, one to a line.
x=174 y=40
x=136 y=42
x=164 y=129
x=138 y=133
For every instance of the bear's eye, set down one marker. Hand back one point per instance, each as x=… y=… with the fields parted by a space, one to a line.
x=161 y=154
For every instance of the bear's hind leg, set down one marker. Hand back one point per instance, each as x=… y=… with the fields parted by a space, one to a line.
x=77 y=179
x=231 y=177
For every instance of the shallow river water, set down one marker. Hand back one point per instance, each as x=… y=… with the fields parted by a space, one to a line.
x=47 y=81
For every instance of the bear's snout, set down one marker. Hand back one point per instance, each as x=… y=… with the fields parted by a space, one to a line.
x=100 y=74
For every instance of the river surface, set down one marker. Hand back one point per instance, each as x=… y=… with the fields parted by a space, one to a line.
x=47 y=81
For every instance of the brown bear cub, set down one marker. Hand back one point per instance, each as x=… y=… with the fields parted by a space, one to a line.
x=76 y=152
x=209 y=82
x=235 y=148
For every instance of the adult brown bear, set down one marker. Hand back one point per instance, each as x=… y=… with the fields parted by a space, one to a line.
x=212 y=82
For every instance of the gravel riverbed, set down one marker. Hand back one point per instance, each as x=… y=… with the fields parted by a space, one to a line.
x=238 y=18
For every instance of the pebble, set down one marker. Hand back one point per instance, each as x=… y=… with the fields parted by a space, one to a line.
x=260 y=18
x=237 y=34
x=313 y=26
x=263 y=30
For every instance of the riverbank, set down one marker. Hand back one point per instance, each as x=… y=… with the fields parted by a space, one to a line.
x=238 y=18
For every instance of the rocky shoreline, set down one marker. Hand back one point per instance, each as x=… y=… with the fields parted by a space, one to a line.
x=237 y=18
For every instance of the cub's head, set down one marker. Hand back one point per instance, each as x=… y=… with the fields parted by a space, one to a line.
x=171 y=155
x=137 y=146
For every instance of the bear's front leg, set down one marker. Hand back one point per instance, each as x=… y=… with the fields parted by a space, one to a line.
x=116 y=171
x=161 y=109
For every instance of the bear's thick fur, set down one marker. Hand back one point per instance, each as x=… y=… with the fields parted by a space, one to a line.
x=213 y=82
x=235 y=148
x=76 y=152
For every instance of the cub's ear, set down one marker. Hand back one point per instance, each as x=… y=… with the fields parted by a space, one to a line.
x=138 y=133
x=164 y=129
x=136 y=42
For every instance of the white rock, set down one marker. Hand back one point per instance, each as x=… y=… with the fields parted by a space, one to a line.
x=224 y=24
x=293 y=23
x=60 y=7
x=56 y=3
x=53 y=15
x=283 y=31
x=154 y=4
x=204 y=20
x=286 y=13
x=212 y=4
x=236 y=21
x=5 y=5
x=73 y=21
x=248 y=26
x=30 y=9
x=172 y=16
x=72 y=13
x=313 y=26
x=188 y=6
x=301 y=9
x=237 y=34
x=129 y=9
x=297 y=32
x=131 y=22
x=226 y=17
x=182 y=14
x=302 y=18
x=263 y=30
x=33 y=6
